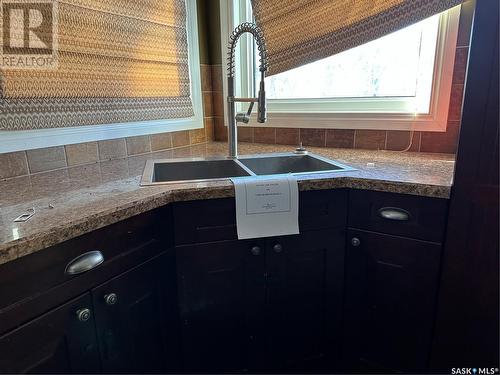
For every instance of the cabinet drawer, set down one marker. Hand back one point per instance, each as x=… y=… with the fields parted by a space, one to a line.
x=215 y=219
x=398 y=214
x=24 y=281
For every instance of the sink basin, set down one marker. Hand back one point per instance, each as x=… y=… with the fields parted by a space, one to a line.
x=171 y=171
x=191 y=170
x=290 y=163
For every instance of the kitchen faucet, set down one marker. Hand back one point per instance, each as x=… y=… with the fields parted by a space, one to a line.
x=234 y=117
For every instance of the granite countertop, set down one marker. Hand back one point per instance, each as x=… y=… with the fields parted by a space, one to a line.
x=76 y=200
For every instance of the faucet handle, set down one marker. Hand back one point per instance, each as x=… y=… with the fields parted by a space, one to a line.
x=245 y=117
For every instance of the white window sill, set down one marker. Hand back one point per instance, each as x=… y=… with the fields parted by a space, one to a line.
x=355 y=121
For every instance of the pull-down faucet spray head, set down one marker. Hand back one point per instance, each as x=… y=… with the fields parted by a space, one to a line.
x=261 y=105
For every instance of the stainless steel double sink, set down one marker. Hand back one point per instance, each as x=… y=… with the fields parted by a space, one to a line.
x=171 y=171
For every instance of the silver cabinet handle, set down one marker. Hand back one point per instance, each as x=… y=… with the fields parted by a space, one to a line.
x=255 y=250
x=355 y=242
x=83 y=315
x=110 y=299
x=278 y=248
x=394 y=213
x=84 y=263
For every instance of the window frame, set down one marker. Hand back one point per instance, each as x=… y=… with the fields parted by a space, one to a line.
x=280 y=114
x=31 y=139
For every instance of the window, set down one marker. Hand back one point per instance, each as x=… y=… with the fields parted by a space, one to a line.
x=399 y=65
x=400 y=81
x=118 y=127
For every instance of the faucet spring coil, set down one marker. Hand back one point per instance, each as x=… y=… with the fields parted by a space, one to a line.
x=253 y=29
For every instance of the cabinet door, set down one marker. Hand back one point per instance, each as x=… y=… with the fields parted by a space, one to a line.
x=390 y=296
x=57 y=342
x=221 y=292
x=135 y=325
x=305 y=284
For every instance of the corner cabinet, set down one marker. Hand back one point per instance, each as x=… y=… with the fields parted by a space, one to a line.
x=262 y=305
x=177 y=292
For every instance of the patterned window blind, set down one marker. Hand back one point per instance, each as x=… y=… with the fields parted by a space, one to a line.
x=119 y=61
x=298 y=32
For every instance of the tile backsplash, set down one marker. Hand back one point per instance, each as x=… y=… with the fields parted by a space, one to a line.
x=13 y=164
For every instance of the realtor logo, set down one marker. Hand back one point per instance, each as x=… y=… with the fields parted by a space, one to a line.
x=28 y=34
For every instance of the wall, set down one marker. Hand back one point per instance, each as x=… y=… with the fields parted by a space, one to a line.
x=444 y=142
x=33 y=161
x=21 y=163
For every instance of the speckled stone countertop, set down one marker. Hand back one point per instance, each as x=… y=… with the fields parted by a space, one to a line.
x=76 y=200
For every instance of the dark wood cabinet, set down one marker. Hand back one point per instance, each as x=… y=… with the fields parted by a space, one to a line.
x=402 y=215
x=215 y=219
x=264 y=305
x=34 y=284
x=128 y=324
x=59 y=341
x=349 y=290
x=304 y=297
x=261 y=305
x=221 y=296
x=128 y=304
x=135 y=325
x=390 y=294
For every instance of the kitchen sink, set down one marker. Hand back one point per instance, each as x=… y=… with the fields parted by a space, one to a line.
x=290 y=163
x=191 y=170
x=170 y=171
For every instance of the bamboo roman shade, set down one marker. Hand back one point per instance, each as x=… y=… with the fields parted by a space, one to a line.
x=298 y=32
x=119 y=61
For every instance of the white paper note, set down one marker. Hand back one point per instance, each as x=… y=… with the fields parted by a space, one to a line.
x=266 y=206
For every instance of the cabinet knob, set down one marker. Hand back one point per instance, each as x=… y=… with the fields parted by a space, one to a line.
x=355 y=242
x=255 y=250
x=83 y=315
x=110 y=299
x=278 y=248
